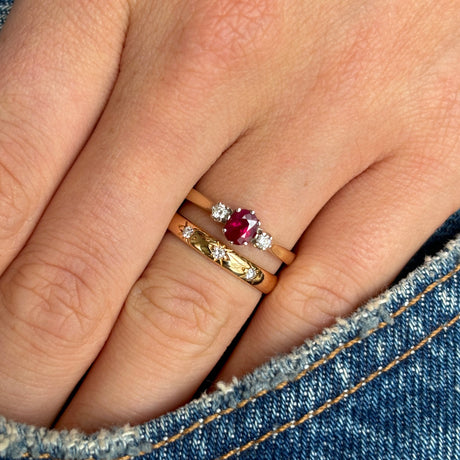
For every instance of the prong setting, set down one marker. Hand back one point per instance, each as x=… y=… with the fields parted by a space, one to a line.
x=220 y=212
x=218 y=253
x=250 y=274
x=262 y=240
x=187 y=232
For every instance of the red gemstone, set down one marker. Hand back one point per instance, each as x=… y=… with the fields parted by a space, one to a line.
x=241 y=227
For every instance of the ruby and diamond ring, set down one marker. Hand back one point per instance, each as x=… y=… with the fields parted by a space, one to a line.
x=241 y=226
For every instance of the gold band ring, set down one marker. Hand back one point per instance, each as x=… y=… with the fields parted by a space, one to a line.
x=241 y=226
x=220 y=254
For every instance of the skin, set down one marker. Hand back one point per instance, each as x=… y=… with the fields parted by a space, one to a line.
x=338 y=122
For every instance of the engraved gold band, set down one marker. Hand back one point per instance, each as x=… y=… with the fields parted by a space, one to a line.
x=222 y=255
x=223 y=214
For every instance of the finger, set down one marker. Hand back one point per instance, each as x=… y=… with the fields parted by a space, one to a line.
x=57 y=67
x=310 y=145
x=177 y=321
x=63 y=292
x=184 y=311
x=353 y=249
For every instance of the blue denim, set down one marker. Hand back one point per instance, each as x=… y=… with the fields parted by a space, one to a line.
x=5 y=6
x=383 y=383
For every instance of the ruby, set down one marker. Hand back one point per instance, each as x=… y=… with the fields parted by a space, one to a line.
x=241 y=226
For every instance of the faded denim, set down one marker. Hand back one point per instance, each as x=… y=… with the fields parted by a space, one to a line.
x=381 y=384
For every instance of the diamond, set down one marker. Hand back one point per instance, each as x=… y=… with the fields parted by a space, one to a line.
x=250 y=274
x=218 y=253
x=262 y=240
x=241 y=226
x=187 y=232
x=220 y=212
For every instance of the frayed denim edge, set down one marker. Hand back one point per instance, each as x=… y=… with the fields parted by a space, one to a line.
x=17 y=439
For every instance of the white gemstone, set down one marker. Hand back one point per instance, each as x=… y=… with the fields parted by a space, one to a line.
x=250 y=274
x=262 y=240
x=187 y=232
x=220 y=212
x=218 y=253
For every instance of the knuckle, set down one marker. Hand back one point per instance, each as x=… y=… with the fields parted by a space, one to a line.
x=347 y=63
x=53 y=301
x=224 y=33
x=182 y=313
x=93 y=18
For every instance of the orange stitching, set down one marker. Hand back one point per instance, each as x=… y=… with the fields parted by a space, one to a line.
x=27 y=455
x=312 y=367
x=281 y=385
x=327 y=405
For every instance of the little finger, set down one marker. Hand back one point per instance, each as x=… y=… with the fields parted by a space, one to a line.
x=353 y=249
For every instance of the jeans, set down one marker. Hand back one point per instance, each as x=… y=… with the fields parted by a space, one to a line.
x=383 y=383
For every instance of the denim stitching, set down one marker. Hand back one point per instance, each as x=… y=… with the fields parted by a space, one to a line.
x=312 y=367
x=219 y=413
x=313 y=413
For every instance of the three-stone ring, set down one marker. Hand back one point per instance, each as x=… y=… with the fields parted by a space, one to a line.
x=241 y=226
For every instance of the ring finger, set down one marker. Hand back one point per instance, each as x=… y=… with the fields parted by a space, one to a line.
x=184 y=311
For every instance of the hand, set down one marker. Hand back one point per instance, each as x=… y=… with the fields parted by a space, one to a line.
x=339 y=123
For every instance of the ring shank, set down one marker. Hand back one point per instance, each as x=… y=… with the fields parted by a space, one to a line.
x=236 y=264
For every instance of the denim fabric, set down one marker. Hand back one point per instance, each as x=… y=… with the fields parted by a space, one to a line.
x=381 y=384
x=5 y=6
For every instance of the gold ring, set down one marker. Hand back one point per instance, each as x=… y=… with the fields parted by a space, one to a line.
x=221 y=255
x=241 y=226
